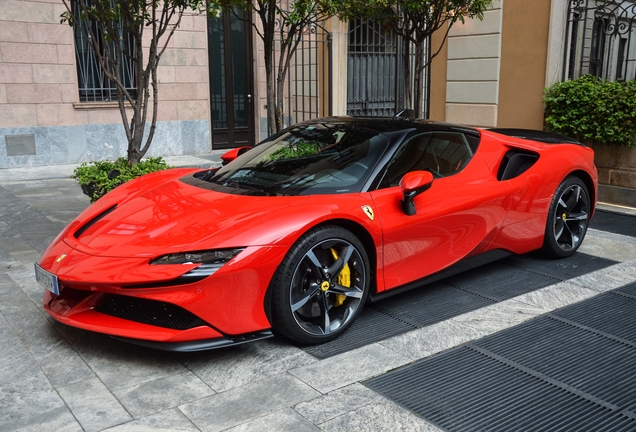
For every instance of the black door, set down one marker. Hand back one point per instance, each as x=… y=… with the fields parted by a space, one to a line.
x=231 y=83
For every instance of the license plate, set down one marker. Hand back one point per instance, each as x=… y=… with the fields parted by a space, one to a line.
x=47 y=280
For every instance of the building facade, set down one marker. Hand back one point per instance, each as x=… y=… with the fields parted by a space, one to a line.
x=212 y=79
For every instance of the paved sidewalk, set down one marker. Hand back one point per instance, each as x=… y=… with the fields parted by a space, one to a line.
x=54 y=377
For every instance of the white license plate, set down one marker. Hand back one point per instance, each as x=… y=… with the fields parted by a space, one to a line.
x=47 y=280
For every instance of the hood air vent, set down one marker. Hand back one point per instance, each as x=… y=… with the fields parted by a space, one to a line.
x=93 y=221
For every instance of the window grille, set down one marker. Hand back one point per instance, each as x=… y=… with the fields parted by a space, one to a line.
x=94 y=85
x=601 y=39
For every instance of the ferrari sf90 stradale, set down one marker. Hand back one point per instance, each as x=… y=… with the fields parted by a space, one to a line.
x=297 y=233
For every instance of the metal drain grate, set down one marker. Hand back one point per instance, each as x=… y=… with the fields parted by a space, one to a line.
x=587 y=361
x=614 y=222
x=571 y=370
x=499 y=282
x=150 y=312
x=610 y=313
x=628 y=290
x=562 y=269
x=464 y=390
x=371 y=326
x=431 y=304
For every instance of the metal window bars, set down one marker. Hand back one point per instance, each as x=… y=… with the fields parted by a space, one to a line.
x=94 y=85
x=600 y=39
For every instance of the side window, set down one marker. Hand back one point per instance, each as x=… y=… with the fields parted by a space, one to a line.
x=442 y=153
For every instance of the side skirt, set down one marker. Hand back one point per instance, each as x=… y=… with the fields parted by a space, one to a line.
x=458 y=267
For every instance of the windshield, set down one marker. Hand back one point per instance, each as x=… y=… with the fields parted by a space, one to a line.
x=312 y=159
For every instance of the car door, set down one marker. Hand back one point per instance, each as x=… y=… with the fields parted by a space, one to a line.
x=458 y=216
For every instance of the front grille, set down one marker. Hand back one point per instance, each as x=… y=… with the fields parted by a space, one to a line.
x=150 y=312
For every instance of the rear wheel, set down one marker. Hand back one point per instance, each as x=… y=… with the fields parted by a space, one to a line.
x=321 y=286
x=568 y=218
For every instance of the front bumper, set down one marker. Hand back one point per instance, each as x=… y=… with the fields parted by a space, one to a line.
x=223 y=309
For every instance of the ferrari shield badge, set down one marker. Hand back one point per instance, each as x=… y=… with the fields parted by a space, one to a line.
x=60 y=258
x=368 y=211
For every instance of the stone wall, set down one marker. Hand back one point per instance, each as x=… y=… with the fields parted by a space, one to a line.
x=39 y=95
x=616 y=165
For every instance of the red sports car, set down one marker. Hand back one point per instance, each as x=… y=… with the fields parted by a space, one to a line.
x=296 y=234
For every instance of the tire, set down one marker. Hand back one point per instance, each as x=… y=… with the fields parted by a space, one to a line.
x=310 y=300
x=568 y=219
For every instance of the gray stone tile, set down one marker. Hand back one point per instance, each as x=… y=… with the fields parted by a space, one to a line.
x=226 y=369
x=499 y=316
x=56 y=357
x=120 y=365
x=347 y=368
x=608 y=245
x=105 y=141
x=93 y=405
x=337 y=403
x=27 y=258
x=162 y=393
x=243 y=404
x=378 y=417
x=284 y=420
x=24 y=277
x=15 y=243
x=16 y=363
x=608 y=278
x=31 y=403
x=55 y=420
x=556 y=296
x=432 y=339
x=166 y=421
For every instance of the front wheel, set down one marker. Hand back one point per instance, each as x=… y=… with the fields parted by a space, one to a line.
x=321 y=286
x=568 y=219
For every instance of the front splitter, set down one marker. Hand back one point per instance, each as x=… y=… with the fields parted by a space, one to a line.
x=199 y=345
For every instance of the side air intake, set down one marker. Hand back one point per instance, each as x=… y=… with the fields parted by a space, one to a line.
x=515 y=163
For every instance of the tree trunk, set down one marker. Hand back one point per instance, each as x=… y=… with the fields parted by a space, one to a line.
x=418 y=80
x=406 y=61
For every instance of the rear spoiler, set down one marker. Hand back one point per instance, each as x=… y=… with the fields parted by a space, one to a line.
x=536 y=135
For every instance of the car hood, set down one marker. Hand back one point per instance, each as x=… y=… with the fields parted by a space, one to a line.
x=159 y=216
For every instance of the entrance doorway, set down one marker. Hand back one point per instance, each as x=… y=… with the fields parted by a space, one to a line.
x=231 y=81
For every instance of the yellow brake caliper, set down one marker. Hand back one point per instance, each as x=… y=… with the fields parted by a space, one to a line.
x=344 y=279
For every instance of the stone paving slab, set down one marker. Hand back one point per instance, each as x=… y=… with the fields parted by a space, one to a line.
x=54 y=377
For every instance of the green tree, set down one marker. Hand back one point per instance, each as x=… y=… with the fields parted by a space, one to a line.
x=150 y=25
x=415 y=21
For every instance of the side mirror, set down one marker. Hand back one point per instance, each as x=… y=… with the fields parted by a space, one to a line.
x=413 y=184
x=230 y=155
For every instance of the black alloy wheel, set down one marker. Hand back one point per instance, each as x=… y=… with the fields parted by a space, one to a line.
x=321 y=286
x=568 y=218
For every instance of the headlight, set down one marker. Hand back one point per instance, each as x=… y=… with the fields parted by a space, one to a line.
x=210 y=260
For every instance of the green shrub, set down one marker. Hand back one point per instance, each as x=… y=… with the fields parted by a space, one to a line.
x=589 y=108
x=93 y=176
